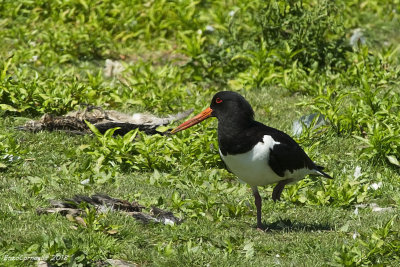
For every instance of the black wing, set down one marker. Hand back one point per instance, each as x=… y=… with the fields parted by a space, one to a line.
x=284 y=157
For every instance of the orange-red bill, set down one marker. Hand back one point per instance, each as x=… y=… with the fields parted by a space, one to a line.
x=193 y=121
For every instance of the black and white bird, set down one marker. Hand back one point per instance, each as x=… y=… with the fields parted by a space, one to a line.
x=257 y=154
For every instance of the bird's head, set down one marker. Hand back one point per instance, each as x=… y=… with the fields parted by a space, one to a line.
x=226 y=106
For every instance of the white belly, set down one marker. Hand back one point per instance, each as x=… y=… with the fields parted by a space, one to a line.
x=252 y=167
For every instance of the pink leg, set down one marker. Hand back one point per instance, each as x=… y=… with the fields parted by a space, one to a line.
x=276 y=194
x=258 y=202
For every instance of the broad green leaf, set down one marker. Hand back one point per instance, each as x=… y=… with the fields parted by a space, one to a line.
x=162 y=129
x=8 y=108
x=392 y=159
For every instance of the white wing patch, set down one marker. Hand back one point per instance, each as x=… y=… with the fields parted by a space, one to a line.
x=252 y=167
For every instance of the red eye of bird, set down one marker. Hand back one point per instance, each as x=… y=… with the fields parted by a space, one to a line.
x=218 y=100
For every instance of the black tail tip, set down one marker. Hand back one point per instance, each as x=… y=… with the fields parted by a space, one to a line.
x=326 y=175
x=320 y=168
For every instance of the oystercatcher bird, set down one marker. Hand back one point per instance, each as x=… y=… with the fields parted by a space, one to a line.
x=257 y=154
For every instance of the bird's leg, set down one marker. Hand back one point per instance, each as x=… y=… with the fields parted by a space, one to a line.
x=276 y=194
x=258 y=202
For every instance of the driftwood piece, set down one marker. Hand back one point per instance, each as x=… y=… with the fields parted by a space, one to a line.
x=74 y=122
x=62 y=211
x=104 y=203
x=100 y=201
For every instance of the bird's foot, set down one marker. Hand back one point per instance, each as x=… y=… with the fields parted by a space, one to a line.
x=276 y=198
x=260 y=227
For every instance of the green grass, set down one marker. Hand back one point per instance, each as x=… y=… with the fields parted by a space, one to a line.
x=287 y=66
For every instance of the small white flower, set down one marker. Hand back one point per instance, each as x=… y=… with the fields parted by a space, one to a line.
x=277 y=255
x=356 y=37
x=32 y=43
x=356 y=211
x=376 y=186
x=221 y=41
x=232 y=13
x=199 y=32
x=34 y=58
x=210 y=28
x=86 y=181
x=355 y=235
x=357 y=172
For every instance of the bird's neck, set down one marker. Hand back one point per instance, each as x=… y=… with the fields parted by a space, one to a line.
x=234 y=124
x=232 y=134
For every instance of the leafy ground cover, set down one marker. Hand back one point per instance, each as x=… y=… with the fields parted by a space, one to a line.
x=289 y=58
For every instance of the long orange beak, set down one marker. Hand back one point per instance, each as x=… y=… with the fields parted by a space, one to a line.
x=193 y=121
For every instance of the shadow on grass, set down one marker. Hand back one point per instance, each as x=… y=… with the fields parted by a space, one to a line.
x=289 y=226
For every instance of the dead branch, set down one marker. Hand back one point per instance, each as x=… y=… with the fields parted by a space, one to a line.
x=74 y=122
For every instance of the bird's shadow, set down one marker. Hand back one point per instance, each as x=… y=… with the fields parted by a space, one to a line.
x=287 y=225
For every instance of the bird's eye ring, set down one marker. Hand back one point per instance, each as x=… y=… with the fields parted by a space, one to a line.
x=218 y=100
